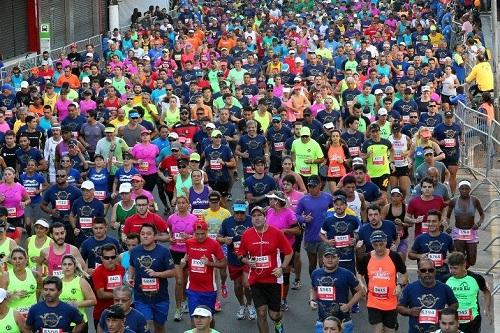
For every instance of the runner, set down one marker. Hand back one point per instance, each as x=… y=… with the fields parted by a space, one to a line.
x=377 y=224
x=10 y=320
x=36 y=243
x=266 y=269
x=465 y=232
x=448 y=321
x=395 y=211
x=134 y=223
x=306 y=154
x=400 y=173
x=259 y=184
x=122 y=210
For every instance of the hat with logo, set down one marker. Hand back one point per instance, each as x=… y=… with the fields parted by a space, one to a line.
x=378 y=236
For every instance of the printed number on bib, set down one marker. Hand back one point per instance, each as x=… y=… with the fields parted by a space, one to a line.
x=31 y=191
x=11 y=212
x=85 y=222
x=100 y=195
x=178 y=238
x=378 y=160
x=354 y=151
x=428 y=316
x=279 y=146
x=150 y=284
x=215 y=165
x=335 y=171
x=380 y=292
x=449 y=143
x=58 y=273
x=437 y=258
x=197 y=266
x=262 y=262
x=326 y=293
x=343 y=241
x=62 y=204
x=114 y=281
x=425 y=227
x=305 y=170
x=213 y=236
x=236 y=245
x=52 y=330
x=465 y=315
x=143 y=166
x=465 y=234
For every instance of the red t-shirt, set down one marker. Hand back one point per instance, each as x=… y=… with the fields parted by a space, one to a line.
x=202 y=277
x=102 y=278
x=418 y=207
x=169 y=164
x=264 y=249
x=134 y=223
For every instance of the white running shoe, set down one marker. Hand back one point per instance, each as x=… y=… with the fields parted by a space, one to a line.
x=241 y=313
x=252 y=314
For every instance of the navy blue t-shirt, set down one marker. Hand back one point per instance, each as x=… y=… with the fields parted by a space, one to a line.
x=147 y=289
x=23 y=156
x=338 y=284
x=450 y=135
x=62 y=199
x=442 y=244
x=125 y=176
x=232 y=228
x=85 y=212
x=366 y=231
x=370 y=191
x=436 y=298
x=134 y=321
x=253 y=146
x=325 y=117
x=90 y=249
x=277 y=139
x=213 y=154
x=258 y=187
x=61 y=317
x=431 y=121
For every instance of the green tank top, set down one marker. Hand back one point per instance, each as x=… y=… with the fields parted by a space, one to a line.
x=179 y=184
x=119 y=85
x=8 y=323
x=29 y=285
x=466 y=290
x=122 y=214
x=4 y=254
x=72 y=292
x=263 y=120
x=385 y=131
x=34 y=251
x=378 y=163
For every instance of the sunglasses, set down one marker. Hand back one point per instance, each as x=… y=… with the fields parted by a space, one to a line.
x=428 y=270
x=304 y=136
x=218 y=136
x=109 y=257
x=432 y=106
x=184 y=114
x=60 y=176
x=413 y=116
x=276 y=121
x=182 y=166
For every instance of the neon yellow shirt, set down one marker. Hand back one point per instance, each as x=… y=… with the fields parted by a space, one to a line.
x=306 y=151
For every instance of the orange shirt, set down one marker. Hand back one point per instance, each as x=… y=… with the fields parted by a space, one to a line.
x=226 y=43
x=382 y=277
x=195 y=42
x=336 y=169
x=36 y=110
x=74 y=82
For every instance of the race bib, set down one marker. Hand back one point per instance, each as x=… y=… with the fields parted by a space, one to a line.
x=406 y=119
x=215 y=165
x=437 y=258
x=428 y=316
x=58 y=273
x=174 y=170
x=354 y=151
x=62 y=204
x=380 y=292
x=449 y=143
x=31 y=191
x=425 y=227
x=213 y=236
x=52 y=330
x=100 y=195
x=177 y=57
x=335 y=171
x=75 y=135
x=464 y=315
x=279 y=146
x=11 y=212
x=249 y=169
x=114 y=281
x=197 y=266
x=398 y=157
x=262 y=262
x=343 y=241
x=144 y=166
x=236 y=245
x=305 y=170
x=150 y=284
x=178 y=238
x=378 y=160
x=197 y=211
x=23 y=311
x=465 y=234
x=85 y=222
x=326 y=293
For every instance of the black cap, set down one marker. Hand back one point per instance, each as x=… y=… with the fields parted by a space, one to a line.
x=269 y=87
x=341 y=198
x=374 y=127
x=448 y=114
x=115 y=311
x=378 y=236
x=259 y=160
x=313 y=181
x=214 y=196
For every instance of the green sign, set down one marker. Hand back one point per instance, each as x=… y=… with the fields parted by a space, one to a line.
x=45 y=31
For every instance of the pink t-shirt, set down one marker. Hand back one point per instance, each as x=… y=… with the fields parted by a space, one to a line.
x=180 y=224
x=13 y=196
x=62 y=108
x=282 y=220
x=87 y=105
x=147 y=154
x=293 y=198
x=4 y=127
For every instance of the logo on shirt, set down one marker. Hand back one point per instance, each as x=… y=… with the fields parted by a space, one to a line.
x=381 y=274
x=50 y=319
x=435 y=246
x=146 y=261
x=62 y=195
x=341 y=227
x=86 y=211
x=428 y=301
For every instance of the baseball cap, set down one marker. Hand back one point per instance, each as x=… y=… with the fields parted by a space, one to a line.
x=428 y=151
x=378 y=91
x=396 y=126
x=426 y=88
x=378 y=236
x=433 y=28
x=42 y=222
x=108 y=81
x=3 y=295
x=175 y=146
x=257 y=208
x=137 y=177
x=109 y=130
x=269 y=86
x=307 y=111
x=329 y=125
x=239 y=206
x=276 y=117
x=313 y=181
x=305 y=131
x=396 y=190
x=125 y=188
x=382 y=112
x=330 y=250
x=88 y=185
x=448 y=114
x=173 y=135
x=374 y=127
x=210 y=125
x=278 y=195
x=133 y=115
x=341 y=198
x=145 y=130
x=214 y=196
x=216 y=133
x=297 y=79
x=25 y=84
x=357 y=161
x=45 y=62
x=72 y=143
x=202 y=311
x=424 y=37
x=195 y=157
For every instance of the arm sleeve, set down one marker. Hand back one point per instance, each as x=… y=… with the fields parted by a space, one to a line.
x=363 y=264
x=398 y=262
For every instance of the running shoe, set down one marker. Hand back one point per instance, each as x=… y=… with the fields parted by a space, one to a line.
x=218 y=306
x=185 y=307
x=296 y=285
x=252 y=313
x=241 y=313
x=223 y=290
x=278 y=327
x=284 y=305
x=178 y=314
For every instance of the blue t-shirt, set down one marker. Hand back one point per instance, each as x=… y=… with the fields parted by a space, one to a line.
x=211 y=153
x=387 y=227
x=342 y=282
x=161 y=143
x=317 y=207
x=370 y=191
x=74 y=176
x=437 y=298
x=228 y=129
x=23 y=156
x=85 y=210
x=62 y=199
x=31 y=184
x=125 y=176
x=100 y=179
x=134 y=321
x=442 y=244
x=74 y=124
x=232 y=228
x=258 y=187
x=277 y=139
x=450 y=135
x=61 y=317
x=159 y=259
x=253 y=146
x=90 y=249
x=431 y=121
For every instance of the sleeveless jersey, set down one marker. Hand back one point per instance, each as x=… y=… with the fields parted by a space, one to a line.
x=355 y=205
x=34 y=251
x=399 y=146
x=29 y=285
x=382 y=283
x=72 y=292
x=8 y=323
x=54 y=260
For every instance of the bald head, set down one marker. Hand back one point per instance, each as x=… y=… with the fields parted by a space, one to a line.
x=433 y=173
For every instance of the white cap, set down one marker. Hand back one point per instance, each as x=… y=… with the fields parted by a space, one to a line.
x=169 y=26
x=298 y=59
x=43 y=223
x=25 y=84
x=329 y=125
x=86 y=80
x=88 y=185
x=382 y=112
x=45 y=62
x=146 y=57
x=201 y=311
x=291 y=52
x=426 y=88
x=357 y=161
x=210 y=125
x=125 y=188
x=3 y=295
x=396 y=190
x=464 y=183
x=173 y=135
x=378 y=91
x=90 y=55
x=297 y=79
x=108 y=81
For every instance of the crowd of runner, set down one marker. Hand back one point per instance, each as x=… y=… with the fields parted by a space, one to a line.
x=336 y=118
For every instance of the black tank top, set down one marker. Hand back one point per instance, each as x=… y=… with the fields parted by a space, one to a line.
x=392 y=217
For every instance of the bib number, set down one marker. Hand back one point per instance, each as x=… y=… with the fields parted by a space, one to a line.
x=31 y=191
x=236 y=245
x=62 y=204
x=262 y=262
x=326 y=293
x=464 y=315
x=11 y=212
x=306 y=171
x=449 y=143
x=114 y=281
x=428 y=316
x=144 y=166
x=342 y=241
x=354 y=151
x=150 y=284
x=380 y=292
x=178 y=238
x=378 y=160
x=85 y=222
x=465 y=235
x=52 y=330
x=215 y=165
x=335 y=171
x=425 y=227
x=100 y=195
x=197 y=266
x=57 y=273
x=437 y=258
x=279 y=146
